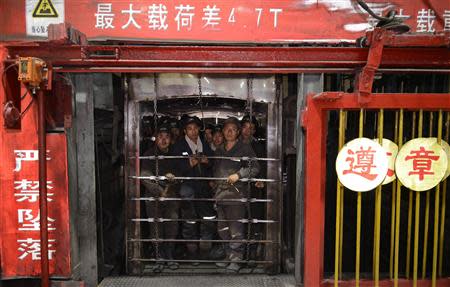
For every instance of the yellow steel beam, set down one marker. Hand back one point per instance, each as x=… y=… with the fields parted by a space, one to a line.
x=341 y=228
x=410 y=205
x=394 y=187
x=443 y=207
x=338 y=204
x=380 y=123
x=436 y=212
x=417 y=216
x=397 y=207
x=358 y=210
x=427 y=217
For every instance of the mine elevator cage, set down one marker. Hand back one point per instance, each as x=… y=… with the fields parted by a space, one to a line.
x=398 y=54
x=269 y=199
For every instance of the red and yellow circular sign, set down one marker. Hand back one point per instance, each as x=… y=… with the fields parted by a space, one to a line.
x=421 y=164
x=362 y=165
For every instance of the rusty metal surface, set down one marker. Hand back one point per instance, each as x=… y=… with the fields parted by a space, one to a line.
x=413 y=40
x=225 y=58
x=195 y=281
x=365 y=78
x=64 y=33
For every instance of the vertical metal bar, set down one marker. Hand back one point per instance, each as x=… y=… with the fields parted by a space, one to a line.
x=397 y=207
x=316 y=131
x=42 y=149
x=417 y=215
x=249 y=193
x=341 y=227
x=436 y=212
x=427 y=217
x=378 y=207
x=156 y=213
x=126 y=151
x=137 y=185
x=308 y=83
x=394 y=187
x=410 y=206
x=443 y=207
x=338 y=205
x=133 y=229
x=358 y=211
x=273 y=253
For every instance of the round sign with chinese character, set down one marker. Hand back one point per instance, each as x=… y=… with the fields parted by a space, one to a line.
x=362 y=165
x=391 y=152
x=446 y=148
x=421 y=164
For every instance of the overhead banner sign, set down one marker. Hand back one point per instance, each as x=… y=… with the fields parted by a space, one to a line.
x=230 y=20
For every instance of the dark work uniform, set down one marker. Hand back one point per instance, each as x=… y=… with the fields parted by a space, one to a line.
x=232 y=210
x=195 y=189
x=162 y=209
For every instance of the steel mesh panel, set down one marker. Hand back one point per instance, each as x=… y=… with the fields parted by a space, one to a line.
x=195 y=281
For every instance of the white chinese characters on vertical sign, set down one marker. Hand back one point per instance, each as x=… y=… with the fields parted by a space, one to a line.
x=40 y=13
x=26 y=155
x=28 y=190
x=421 y=164
x=28 y=220
x=30 y=246
x=362 y=165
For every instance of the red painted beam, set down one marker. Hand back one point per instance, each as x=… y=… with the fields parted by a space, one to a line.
x=229 y=56
x=340 y=100
x=441 y=39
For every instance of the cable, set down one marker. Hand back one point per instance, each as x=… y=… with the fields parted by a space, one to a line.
x=67 y=79
x=27 y=108
x=389 y=22
x=200 y=95
x=155 y=122
x=4 y=72
x=24 y=95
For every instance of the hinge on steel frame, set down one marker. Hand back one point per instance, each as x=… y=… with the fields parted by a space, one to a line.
x=364 y=80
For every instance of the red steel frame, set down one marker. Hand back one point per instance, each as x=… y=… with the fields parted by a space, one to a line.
x=314 y=119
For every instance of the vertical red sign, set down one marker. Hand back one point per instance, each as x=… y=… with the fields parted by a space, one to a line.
x=21 y=248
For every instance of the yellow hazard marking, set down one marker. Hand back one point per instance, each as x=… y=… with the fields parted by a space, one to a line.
x=44 y=9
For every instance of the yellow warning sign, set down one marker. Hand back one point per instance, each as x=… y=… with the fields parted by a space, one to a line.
x=44 y=9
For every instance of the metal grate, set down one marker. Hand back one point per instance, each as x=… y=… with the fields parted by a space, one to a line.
x=195 y=281
x=147 y=238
